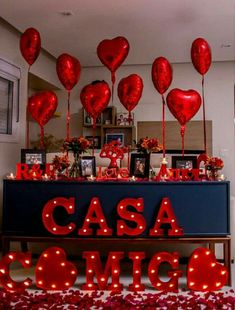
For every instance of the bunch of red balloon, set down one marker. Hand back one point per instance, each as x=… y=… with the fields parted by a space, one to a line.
x=95 y=96
x=183 y=104
x=42 y=105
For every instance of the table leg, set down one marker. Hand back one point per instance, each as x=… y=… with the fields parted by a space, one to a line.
x=227 y=259
x=5 y=245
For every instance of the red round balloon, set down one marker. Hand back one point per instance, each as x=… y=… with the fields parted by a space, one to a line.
x=113 y=52
x=201 y=55
x=161 y=74
x=30 y=45
x=42 y=106
x=95 y=98
x=130 y=91
x=68 y=70
x=183 y=104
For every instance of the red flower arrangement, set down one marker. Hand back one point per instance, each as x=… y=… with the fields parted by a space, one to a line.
x=214 y=163
x=148 y=145
x=76 y=145
x=60 y=163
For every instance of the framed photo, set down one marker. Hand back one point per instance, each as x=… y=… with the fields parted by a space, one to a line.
x=184 y=162
x=88 y=120
x=123 y=119
x=114 y=137
x=32 y=157
x=88 y=166
x=96 y=140
x=140 y=165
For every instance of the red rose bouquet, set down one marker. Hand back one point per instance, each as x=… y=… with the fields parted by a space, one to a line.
x=76 y=145
x=214 y=163
x=148 y=145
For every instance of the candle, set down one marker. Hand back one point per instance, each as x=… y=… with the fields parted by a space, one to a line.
x=133 y=178
x=45 y=177
x=11 y=176
x=91 y=178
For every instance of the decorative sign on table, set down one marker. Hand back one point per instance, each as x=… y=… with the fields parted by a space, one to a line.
x=55 y=272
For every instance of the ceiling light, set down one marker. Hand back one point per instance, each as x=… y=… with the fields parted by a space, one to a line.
x=66 y=13
x=225 y=45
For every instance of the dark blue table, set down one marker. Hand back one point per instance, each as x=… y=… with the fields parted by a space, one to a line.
x=201 y=208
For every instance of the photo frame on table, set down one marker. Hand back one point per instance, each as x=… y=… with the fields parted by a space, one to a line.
x=88 y=120
x=184 y=162
x=96 y=140
x=139 y=166
x=88 y=166
x=109 y=137
x=33 y=157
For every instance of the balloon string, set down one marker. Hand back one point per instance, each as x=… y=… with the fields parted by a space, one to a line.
x=113 y=82
x=93 y=141
x=182 y=131
x=42 y=146
x=204 y=115
x=129 y=118
x=27 y=116
x=163 y=127
x=68 y=117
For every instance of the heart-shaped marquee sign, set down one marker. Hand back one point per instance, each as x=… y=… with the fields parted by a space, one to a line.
x=204 y=273
x=53 y=271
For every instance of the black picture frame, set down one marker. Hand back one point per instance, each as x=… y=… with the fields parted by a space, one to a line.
x=33 y=156
x=97 y=141
x=139 y=166
x=88 y=166
x=184 y=162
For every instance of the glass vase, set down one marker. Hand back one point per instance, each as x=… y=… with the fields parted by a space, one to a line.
x=213 y=174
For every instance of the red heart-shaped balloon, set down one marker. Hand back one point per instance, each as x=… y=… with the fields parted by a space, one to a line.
x=42 y=106
x=161 y=74
x=68 y=70
x=53 y=271
x=204 y=273
x=183 y=104
x=201 y=55
x=113 y=52
x=95 y=98
x=30 y=45
x=130 y=91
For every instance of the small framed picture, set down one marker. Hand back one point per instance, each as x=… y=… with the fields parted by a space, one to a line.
x=114 y=137
x=140 y=165
x=88 y=120
x=123 y=119
x=184 y=162
x=96 y=140
x=33 y=157
x=88 y=166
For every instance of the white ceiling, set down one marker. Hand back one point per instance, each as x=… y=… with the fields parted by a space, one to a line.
x=152 y=27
